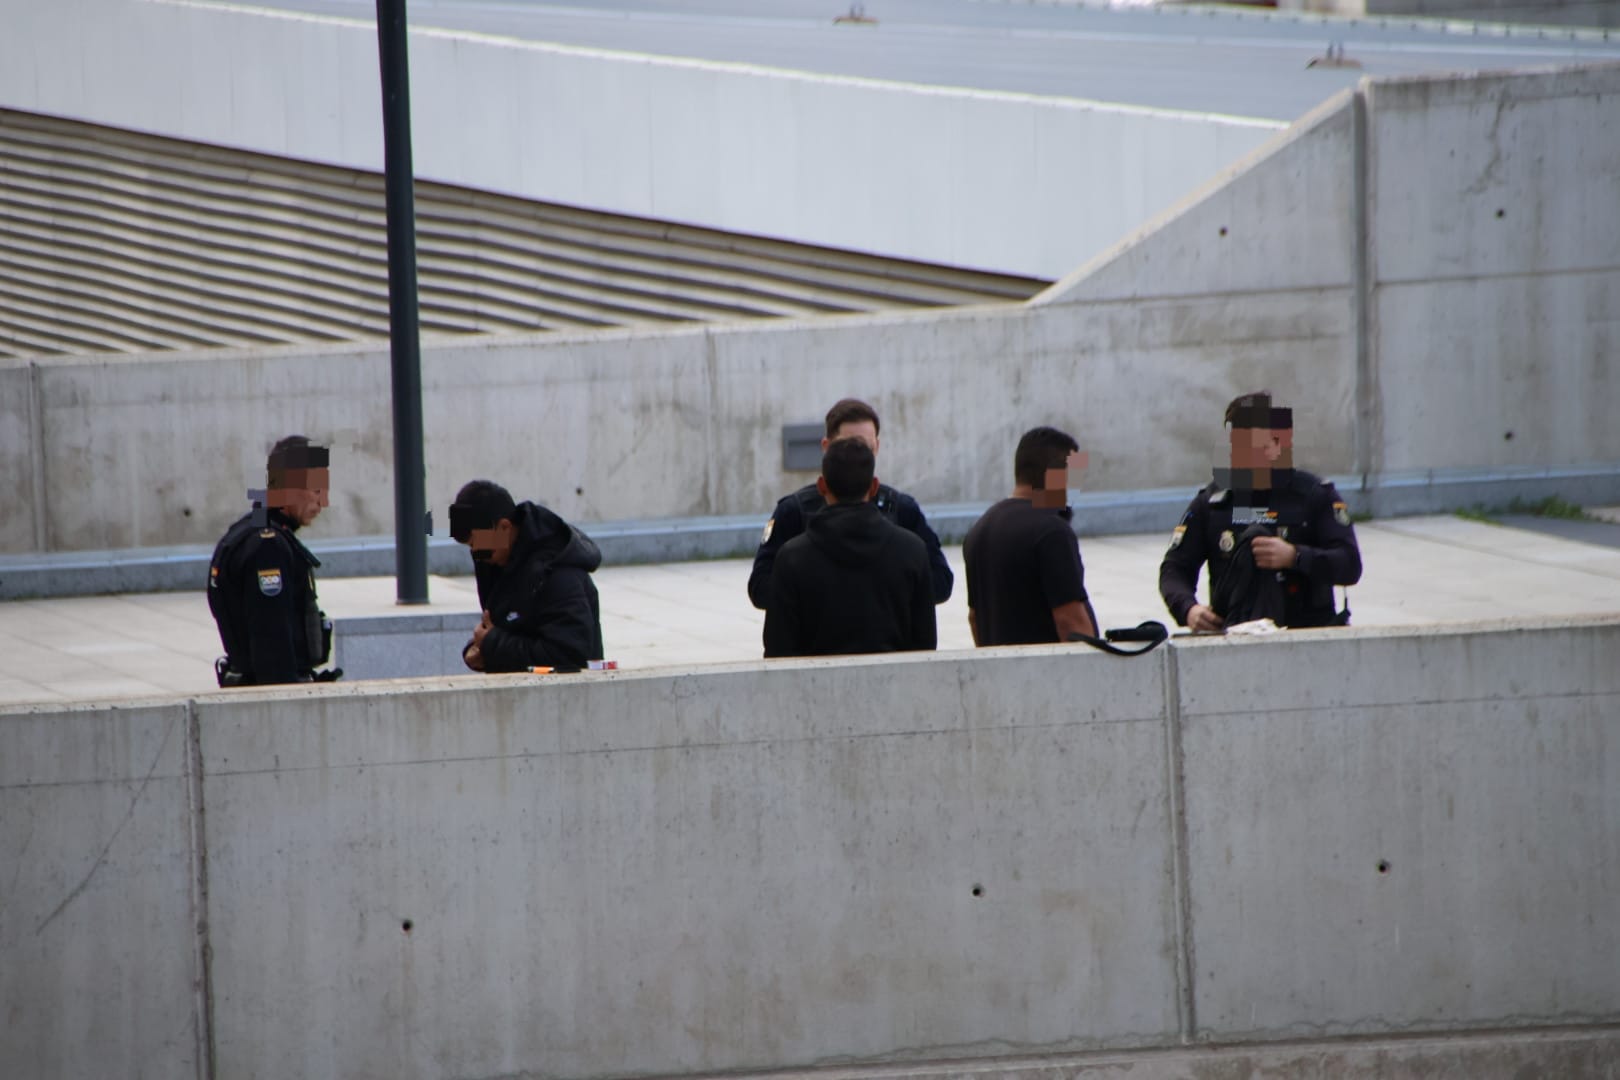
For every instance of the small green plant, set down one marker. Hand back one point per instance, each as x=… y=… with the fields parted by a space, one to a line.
x=1551 y=507
x=1361 y=517
x=1476 y=513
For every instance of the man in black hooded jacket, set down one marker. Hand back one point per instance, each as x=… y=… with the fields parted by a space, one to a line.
x=534 y=583
x=853 y=582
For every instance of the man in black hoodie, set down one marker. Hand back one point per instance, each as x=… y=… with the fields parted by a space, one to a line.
x=534 y=583
x=853 y=582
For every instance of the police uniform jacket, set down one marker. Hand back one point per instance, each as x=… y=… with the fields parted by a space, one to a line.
x=1304 y=510
x=261 y=590
x=792 y=511
x=543 y=603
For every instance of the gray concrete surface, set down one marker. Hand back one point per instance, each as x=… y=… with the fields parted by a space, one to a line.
x=1537 y=14
x=98 y=916
x=1421 y=370
x=980 y=179
x=1207 y=59
x=885 y=861
x=1419 y=571
x=1425 y=804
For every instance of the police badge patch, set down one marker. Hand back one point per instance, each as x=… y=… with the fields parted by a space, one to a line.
x=270 y=582
x=1228 y=542
x=1175 y=537
x=1341 y=513
x=765 y=537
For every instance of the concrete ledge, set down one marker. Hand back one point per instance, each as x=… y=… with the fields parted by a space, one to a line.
x=399 y=645
x=1353 y=853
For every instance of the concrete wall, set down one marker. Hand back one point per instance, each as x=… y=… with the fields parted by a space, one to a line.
x=99 y=941
x=808 y=863
x=635 y=425
x=1356 y=267
x=1479 y=272
x=399 y=645
x=1574 y=13
x=996 y=181
x=1496 y=282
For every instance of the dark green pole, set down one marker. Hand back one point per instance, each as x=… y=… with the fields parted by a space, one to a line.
x=410 y=476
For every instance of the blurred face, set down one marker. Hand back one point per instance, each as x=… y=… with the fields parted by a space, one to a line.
x=302 y=494
x=1055 y=493
x=492 y=545
x=864 y=430
x=1257 y=448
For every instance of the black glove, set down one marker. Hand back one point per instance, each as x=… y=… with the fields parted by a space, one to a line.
x=329 y=675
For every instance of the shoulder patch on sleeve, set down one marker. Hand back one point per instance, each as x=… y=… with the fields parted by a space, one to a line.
x=765 y=537
x=1176 y=536
x=270 y=582
x=1341 y=513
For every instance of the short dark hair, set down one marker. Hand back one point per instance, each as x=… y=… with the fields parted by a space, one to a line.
x=1250 y=410
x=293 y=453
x=848 y=467
x=851 y=411
x=480 y=504
x=1040 y=449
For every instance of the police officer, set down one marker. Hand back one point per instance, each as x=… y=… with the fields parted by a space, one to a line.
x=849 y=419
x=1277 y=539
x=261 y=582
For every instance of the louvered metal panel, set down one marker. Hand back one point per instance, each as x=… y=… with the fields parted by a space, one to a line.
x=113 y=241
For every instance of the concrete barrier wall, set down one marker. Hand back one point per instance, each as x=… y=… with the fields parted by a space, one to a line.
x=19 y=446
x=635 y=425
x=1346 y=267
x=1477 y=263
x=1496 y=300
x=99 y=945
x=813 y=862
x=1402 y=828
x=996 y=181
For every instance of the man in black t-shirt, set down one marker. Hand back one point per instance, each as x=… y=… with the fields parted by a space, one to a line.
x=1026 y=583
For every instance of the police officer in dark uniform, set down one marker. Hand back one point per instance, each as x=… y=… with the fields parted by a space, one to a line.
x=261 y=582
x=849 y=419
x=1277 y=539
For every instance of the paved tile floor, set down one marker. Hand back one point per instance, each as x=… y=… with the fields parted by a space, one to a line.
x=1418 y=570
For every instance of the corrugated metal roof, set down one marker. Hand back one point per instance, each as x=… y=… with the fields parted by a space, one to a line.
x=112 y=241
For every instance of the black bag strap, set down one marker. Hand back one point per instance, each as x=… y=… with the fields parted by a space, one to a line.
x=1151 y=634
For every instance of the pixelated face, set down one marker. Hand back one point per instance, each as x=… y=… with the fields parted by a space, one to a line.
x=301 y=494
x=864 y=430
x=493 y=544
x=1264 y=445
x=1055 y=493
x=1255 y=448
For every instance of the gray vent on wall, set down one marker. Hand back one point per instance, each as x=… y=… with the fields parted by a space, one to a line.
x=801 y=447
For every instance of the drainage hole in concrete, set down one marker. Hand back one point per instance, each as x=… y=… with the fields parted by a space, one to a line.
x=1383 y=866
x=1223 y=230
x=1501 y=213
x=978 y=890
x=406 y=925
x=1507 y=436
